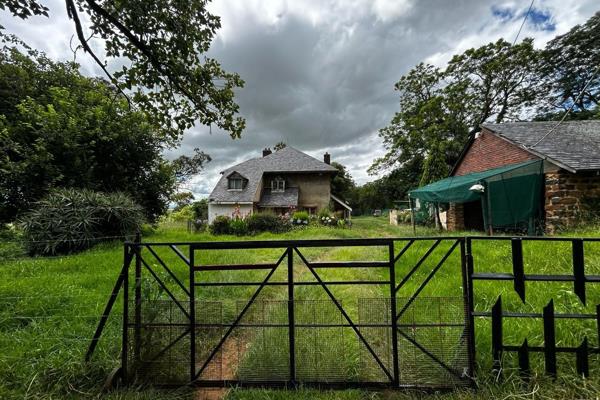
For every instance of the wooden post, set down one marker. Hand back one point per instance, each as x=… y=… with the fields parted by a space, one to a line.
x=412 y=215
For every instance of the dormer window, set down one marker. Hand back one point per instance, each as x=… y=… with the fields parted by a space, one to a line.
x=235 y=184
x=278 y=185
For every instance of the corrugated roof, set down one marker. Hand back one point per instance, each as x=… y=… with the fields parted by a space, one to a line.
x=287 y=159
x=574 y=145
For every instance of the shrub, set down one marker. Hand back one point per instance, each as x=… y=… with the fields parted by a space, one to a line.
x=300 y=218
x=69 y=220
x=220 y=226
x=325 y=217
x=238 y=226
x=185 y=213
x=267 y=222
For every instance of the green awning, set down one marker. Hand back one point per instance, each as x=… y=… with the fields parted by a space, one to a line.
x=455 y=189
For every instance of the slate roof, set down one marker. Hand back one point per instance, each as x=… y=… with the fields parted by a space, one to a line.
x=574 y=145
x=287 y=198
x=285 y=160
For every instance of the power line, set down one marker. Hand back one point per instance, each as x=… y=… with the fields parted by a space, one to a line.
x=570 y=108
x=523 y=23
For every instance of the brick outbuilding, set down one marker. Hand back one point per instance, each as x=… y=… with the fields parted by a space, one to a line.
x=571 y=169
x=530 y=176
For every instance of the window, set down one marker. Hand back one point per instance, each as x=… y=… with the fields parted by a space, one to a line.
x=235 y=184
x=277 y=185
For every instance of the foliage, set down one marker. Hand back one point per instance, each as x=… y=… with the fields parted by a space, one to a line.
x=165 y=42
x=326 y=217
x=238 y=226
x=300 y=218
x=279 y=145
x=220 y=225
x=342 y=184
x=182 y=199
x=267 y=222
x=185 y=167
x=69 y=220
x=568 y=63
x=60 y=129
x=183 y=214
x=200 y=208
x=439 y=109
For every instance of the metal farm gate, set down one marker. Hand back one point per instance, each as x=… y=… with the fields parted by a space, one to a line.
x=275 y=313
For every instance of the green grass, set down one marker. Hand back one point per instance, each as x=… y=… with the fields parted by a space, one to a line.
x=49 y=307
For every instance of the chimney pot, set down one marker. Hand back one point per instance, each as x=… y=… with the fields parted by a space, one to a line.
x=266 y=151
x=327 y=158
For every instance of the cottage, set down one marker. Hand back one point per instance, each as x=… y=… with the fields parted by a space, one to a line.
x=280 y=181
x=529 y=176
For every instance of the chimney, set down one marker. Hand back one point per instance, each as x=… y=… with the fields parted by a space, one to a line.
x=327 y=158
x=266 y=151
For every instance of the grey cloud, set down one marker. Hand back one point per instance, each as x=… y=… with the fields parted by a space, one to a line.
x=320 y=74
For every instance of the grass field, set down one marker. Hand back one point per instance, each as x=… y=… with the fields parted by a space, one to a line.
x=49 y=307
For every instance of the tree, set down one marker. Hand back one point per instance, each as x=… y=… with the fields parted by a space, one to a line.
x=342 y=183
x=440 y=109
x=185 y=167
x=569 y=62
x=182 y=199
x=168 y=74
x=59 y=129
x=279 y=145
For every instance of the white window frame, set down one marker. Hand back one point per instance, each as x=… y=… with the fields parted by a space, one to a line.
x=231 y=186
x=278 y=185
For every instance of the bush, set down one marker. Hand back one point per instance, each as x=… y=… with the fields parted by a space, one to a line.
x=220 y=225
x=300 y=218
x=238 y=226
x=267 y=222
x=185 y=213
x=69 y=220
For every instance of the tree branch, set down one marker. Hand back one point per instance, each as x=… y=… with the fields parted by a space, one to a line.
x=72 y=13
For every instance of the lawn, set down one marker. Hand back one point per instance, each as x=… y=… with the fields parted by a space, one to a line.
x=49 y=307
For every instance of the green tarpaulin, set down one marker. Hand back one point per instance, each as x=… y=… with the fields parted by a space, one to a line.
x=511 y=194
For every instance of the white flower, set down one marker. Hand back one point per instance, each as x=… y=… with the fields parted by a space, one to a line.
x=305 y=222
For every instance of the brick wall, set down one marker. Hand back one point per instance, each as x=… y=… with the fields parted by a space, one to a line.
x=455 y=217
x=489 y=151
x=565 y=198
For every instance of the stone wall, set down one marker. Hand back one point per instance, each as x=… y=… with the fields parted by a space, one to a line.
x=455 y=217
x=567 y=198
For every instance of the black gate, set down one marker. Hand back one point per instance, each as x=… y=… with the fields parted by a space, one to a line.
x=279 y=313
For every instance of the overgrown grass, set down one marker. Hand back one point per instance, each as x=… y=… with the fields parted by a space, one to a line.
x=49 y=307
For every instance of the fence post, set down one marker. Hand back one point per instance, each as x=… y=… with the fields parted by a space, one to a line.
x=549 y=339
x=125 y=343
x=524 y=367
x=393 y=314
x=192 y=290
x=138 y=299
x=518 y=271
x=578 y=269
x=497 y=335
x=291 y=319
x=581 y=355
x=467 y=271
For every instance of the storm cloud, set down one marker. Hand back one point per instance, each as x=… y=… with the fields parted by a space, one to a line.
x=320 y=74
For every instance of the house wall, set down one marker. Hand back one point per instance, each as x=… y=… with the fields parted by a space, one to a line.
x=567 y=197
x=489 y=151
x=214 y=210
x=314 y=190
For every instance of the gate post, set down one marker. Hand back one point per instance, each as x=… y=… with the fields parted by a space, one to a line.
x=138 y=300
x=394 y=321
x=125 y=343
x=467 y=279
x=192 y=291
x=291 y=319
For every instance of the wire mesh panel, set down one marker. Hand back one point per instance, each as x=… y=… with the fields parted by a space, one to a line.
x=263 y=342
x=432 y=342
x=376 y=313
x=158 y=348
x=321 y=346
x=209 y=331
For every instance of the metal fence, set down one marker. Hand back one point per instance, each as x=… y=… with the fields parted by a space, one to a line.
x=288 y=318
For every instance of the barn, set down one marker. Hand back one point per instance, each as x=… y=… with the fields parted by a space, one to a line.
x=529 y=177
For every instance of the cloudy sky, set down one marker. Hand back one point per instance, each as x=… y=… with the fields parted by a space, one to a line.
x=320 y=74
